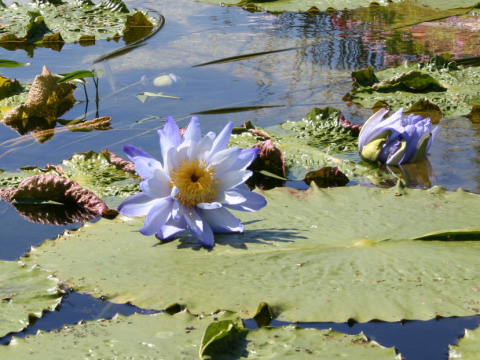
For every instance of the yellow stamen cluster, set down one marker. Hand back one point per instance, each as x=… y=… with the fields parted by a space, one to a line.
x=195 y=181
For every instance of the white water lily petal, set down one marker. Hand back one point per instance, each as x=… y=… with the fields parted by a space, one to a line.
x=222 y=221
x=192 y=136
x=222 y=160
x=199 y=228
x=231 y=197
x=156 y=186
x=209 y=206
x=253 y=202
x=233 y=178
x=222 y=140
x=204 y=146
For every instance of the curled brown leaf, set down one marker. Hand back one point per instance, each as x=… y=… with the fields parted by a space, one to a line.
x=58 y=189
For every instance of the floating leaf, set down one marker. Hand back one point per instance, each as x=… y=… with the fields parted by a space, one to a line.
x=323 y=128
x=29 y=23
x=25 y=293
x=326 y=5
x=161 y=335
x=55 y=188
x=317 y=255
x=438 y=81
x=467 y=347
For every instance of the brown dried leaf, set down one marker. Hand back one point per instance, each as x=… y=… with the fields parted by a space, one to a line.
x=101 y=123
x=125 y=165
x=55 y=188
x=46 y=101
x=268 y=159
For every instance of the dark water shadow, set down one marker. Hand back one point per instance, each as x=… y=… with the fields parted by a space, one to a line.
x=76 y=307
x=413 y=339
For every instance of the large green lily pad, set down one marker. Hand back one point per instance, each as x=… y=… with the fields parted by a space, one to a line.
x=322 y=5
x=163 y=336
x=37 y=21
x=467 y=348
x=319 y=255
x=454 y=89
x=26 y=292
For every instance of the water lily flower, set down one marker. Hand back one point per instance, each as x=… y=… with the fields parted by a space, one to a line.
x=195 y=185
x=398 y=139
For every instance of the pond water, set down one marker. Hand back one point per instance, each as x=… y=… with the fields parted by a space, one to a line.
x=326 y=48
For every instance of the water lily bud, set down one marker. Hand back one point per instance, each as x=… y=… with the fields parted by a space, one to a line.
x=397 y=139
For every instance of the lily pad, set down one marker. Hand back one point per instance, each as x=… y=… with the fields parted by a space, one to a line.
x=163 y=336
x=322 y=5
x=468 y=347
x=454 y=89
x=25 y=293
x=300 y=157
x=30 y=22
x=347 y=249
x=102 y=173
x=323 y=128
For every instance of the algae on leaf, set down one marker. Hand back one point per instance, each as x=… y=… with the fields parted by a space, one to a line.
x=68 y=21
x=345 y=248
x=26 y=292
x=456 y=90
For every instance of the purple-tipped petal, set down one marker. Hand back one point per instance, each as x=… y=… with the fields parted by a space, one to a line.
x=169 y=136
x=222 y=221
x=199 y=228
x=370 y=124
x=137 y=205
x=157 y=216
x=222 y=140
x=253 y=202
x=222 y=160
x=145 y=165
x=192 y=137
x=171 y=228
x=247 y=156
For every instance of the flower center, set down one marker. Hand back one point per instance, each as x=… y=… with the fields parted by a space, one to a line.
x=196 y=183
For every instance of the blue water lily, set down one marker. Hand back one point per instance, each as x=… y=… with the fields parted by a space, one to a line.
x=194 y=187
x=398 y=139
